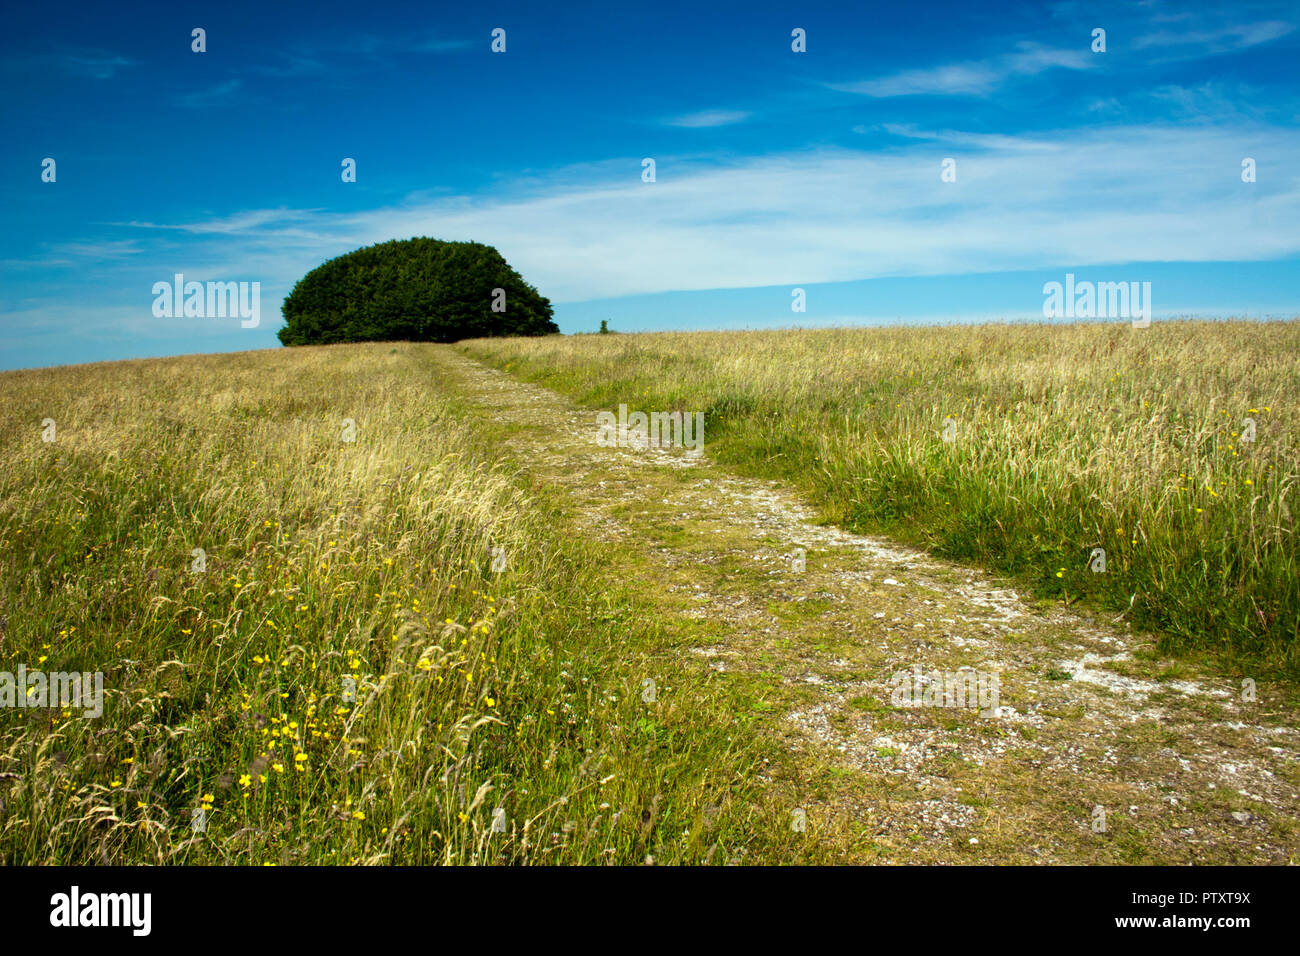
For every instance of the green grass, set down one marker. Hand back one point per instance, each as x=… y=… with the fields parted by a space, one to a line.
x=332 y=564
x=1068 y=438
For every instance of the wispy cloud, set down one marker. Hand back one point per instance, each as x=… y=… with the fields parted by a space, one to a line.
x=100 y=65
x=962 y=78
x=331 y=54
x=975 y=78
x=110 y=250
x=214 y=95
x=242 y=223
x=706 y=118
x=1212 y=100
x=953 y=137
x=1118 y=195
x=442 y=45
x=1223 y=40
x=81 y=62
x=81 y=254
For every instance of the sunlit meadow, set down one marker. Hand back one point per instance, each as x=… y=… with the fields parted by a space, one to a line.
x=1064 y=439
x=341 y=676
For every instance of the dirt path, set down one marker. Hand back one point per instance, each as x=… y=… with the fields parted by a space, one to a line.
x=1097 y=751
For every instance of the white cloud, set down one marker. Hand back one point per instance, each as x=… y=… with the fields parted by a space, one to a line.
x=241 y=223
x=710 y=118
x=1222 y=40
x=1092 y=197
x=977 y=78
x=960 y=138
x=968 y=78
x=112 y=250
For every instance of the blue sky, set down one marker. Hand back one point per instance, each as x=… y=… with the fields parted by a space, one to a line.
x=774 y=169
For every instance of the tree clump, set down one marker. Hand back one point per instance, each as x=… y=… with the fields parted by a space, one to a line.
x=422 y=290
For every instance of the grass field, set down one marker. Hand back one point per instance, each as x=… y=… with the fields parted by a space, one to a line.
x=381 y=604
x=341 y=676
x=1065 y=439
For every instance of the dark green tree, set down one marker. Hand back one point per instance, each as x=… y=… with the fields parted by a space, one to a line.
x=423 y=290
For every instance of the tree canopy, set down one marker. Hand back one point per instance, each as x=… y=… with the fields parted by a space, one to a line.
x=424 y=290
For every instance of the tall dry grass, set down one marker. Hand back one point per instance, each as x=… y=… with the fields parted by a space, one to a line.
x=347 y=680
x=1067 y=438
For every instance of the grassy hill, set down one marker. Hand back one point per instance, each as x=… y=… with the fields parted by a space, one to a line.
x=383 y=604
x=343 y=677
x=1064 y=440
